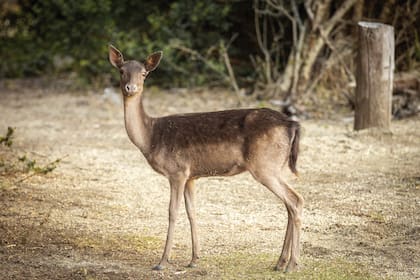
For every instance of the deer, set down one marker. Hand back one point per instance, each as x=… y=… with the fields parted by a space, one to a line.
x=185 y=147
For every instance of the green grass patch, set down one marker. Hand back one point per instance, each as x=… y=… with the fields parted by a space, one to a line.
x=127 y=242
x=261 y=266
x=377 y=217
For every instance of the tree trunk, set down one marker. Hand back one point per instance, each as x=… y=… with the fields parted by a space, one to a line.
x=374 y=76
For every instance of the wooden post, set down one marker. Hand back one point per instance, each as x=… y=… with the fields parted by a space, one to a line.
x=374 y=76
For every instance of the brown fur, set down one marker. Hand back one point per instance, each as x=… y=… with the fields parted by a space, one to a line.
x=224 y=143
x=197 y=136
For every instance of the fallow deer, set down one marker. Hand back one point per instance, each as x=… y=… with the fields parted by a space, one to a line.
x=186 y=147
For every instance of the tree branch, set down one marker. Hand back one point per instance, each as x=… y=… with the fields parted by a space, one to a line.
x=261 y=43
x=229 y=68
x=338 y=15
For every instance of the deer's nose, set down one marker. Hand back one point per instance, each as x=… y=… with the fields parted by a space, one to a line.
x=130 y=88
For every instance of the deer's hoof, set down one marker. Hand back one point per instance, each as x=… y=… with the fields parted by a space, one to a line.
x=278 y=268
x=192 y=265
x=158 y=267
x=281 y=266
x=292 y=266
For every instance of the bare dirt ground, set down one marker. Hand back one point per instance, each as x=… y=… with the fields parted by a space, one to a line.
x=102 y=213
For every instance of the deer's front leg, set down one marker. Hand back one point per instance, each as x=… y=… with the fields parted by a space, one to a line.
x=189 y=195
x=177 y=189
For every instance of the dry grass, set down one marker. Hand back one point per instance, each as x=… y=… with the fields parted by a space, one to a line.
x=102 y=214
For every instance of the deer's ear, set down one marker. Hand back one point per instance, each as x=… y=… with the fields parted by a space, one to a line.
x=152 y=61
x=115 y=57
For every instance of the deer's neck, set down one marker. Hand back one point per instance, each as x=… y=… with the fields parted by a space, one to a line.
x=137 y=123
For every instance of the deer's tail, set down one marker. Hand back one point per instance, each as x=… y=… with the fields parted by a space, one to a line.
x=294 y=134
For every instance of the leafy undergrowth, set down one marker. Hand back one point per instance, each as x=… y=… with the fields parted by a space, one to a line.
x=261 y=266
x=15 y=167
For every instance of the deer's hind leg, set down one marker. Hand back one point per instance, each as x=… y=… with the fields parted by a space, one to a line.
x=288 y=260
x=267 y=154
x=294 y=206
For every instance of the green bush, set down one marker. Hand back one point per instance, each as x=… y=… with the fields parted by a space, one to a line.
x=54 y=36
x=60 y=36
x=195 y=25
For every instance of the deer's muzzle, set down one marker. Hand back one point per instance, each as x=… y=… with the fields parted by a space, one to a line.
x=131 y=88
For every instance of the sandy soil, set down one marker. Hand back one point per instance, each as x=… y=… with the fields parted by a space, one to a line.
x=102 y=213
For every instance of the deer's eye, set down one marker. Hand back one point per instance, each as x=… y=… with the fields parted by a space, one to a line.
x=144 y=74
x=121 y=71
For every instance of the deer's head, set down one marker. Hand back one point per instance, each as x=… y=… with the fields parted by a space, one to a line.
x=133 y=73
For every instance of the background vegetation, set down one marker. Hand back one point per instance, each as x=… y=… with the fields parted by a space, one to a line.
x=287 y=50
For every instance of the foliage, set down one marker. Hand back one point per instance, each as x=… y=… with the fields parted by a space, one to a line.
x=59 y=36
x=30 y=165
x=12 y=165
x=7 y=139
x=294 y=38
x=171 y=27
x=47 y=36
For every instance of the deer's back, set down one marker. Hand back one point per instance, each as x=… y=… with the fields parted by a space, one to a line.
x=213 y=143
